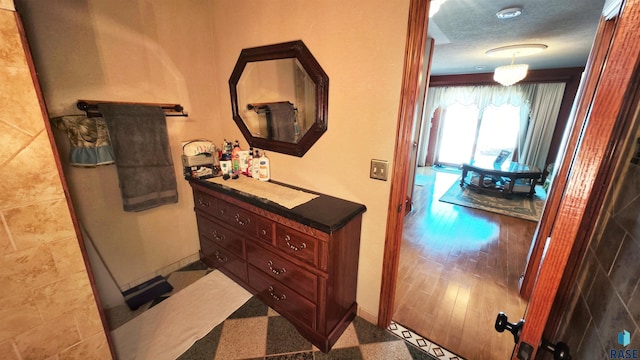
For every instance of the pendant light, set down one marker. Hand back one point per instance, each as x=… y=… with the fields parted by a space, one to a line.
x=508 y=75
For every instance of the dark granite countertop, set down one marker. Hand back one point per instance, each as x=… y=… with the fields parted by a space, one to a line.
x=325 y=213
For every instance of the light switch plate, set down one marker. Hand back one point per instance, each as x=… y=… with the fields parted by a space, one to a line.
x=379 y=169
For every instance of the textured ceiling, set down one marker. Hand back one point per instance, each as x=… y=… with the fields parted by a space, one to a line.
x=465 y=29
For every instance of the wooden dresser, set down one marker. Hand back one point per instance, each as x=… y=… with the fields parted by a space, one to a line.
x=302 y=262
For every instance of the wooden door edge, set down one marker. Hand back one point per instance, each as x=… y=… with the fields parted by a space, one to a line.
x=418 y=21
x=594 y=67
x=594 y=155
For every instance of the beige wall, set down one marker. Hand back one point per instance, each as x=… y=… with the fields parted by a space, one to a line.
x=47 y=308
x=184 y=52
x=137 y=51
x=360 y=45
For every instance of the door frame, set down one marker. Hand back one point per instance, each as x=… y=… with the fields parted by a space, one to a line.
x=413 y=64
x=611 y=81
x=409 y=96
x=600 y=142
x=595 y=65
x=418 y=128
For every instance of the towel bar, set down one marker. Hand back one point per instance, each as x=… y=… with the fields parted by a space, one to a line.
x=91 y=107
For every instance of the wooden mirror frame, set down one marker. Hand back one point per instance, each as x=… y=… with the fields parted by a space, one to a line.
x=297 y=50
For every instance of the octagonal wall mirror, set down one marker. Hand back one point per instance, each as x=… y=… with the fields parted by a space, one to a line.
x=279 y=97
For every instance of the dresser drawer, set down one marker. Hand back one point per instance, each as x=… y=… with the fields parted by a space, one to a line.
x=220 y=235
x=297 y=244
x=265 y=230
x=286 y=272
x=218 y=258
x=204 y=202
x=302 y=264
x=282 y=299
x=236 y=217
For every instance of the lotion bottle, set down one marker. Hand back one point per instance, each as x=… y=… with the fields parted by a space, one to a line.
x=255 y=168
x=250 y=161
x=264 y=168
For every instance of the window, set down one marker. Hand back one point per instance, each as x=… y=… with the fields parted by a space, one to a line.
x=521 y=116
x=466 y=133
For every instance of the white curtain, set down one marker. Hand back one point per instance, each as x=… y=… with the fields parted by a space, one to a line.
x=425 y=125
x=537 y=120
x=545 y=107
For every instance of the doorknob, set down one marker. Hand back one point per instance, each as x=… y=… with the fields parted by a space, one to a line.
x=560 y=350
x=502 y=324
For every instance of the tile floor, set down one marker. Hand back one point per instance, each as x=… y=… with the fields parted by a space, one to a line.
x=255 y=331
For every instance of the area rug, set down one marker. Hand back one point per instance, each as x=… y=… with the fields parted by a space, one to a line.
x=518 y=206
x=168 y=329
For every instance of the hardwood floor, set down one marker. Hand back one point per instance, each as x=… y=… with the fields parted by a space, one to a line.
x=458 y=268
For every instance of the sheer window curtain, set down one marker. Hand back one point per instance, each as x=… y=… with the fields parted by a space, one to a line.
x=545 y=107
x=539 y=103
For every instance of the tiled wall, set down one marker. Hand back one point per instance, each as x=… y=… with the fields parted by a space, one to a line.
x=606 y=297
x=47 y=308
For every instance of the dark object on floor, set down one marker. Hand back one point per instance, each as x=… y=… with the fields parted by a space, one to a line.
x=147 y=291
x=140 y=294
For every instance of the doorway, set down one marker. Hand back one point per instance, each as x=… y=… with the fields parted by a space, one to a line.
x=504 y=243
x=393 y=248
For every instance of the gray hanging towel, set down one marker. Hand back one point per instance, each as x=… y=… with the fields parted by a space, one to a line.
x=140 y=142
x=281 y=118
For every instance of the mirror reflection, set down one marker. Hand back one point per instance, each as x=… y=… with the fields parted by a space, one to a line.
x=276 y=99
x=279 y=97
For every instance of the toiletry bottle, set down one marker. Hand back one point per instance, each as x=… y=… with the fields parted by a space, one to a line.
x=264 y=169
x=235 y=158
x=255 y=168
x=249 y=170
x=226 y=150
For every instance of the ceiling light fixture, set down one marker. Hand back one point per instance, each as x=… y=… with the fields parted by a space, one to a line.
x=509 y=13
x=508 y=75
x=516 y=50
x=435 y=6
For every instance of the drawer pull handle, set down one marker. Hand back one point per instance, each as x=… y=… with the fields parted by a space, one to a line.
x=276 y=271
x=222 y=259
x=217 y=237
x=276 y=297
x=263 y=232
x=242 y=222
x=204 y=203
x=287 y=239
x=222 y=212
